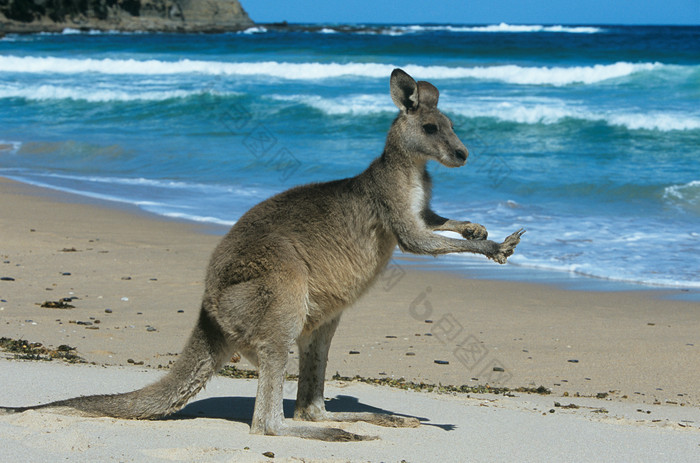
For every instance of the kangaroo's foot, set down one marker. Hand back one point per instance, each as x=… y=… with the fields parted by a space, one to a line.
x=379 y=419
x=310 y=432
x=474 y=231
x=505 y=250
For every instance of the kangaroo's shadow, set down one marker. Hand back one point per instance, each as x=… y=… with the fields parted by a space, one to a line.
x=240 y=409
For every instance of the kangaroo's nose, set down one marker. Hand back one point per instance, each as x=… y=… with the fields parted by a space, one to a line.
x=461 y=155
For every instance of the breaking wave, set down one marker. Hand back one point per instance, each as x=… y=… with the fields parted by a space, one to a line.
x=521 y=111
x=514 y=74
x=686 y=195
x=512 y=28
x=457 y=29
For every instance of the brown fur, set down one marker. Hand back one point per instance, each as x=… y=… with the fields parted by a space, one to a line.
x=293 y=263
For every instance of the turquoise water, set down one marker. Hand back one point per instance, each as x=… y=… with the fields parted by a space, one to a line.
x=588 y=137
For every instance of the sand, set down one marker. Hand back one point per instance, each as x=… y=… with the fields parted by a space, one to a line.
x=137 y=280
x=214 y=426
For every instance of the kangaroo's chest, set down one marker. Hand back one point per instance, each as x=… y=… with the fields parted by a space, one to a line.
x=417 y=194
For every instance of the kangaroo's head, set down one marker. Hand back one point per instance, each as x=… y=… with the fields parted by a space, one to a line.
x=421 y=129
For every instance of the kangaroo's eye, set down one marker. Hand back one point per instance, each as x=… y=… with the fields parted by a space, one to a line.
x=430 y=128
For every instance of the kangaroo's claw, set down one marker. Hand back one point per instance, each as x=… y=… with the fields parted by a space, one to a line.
x=506 y=249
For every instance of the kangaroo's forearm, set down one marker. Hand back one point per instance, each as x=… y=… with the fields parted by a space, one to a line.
x=432 y=244
x=435 y=221
x=450 y=225
x=438 y=223
x=468 y=230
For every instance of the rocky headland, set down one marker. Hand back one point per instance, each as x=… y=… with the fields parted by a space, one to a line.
x=30 y=16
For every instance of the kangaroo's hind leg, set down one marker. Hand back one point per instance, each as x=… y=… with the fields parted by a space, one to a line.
x=268 y=415
x=269 y=337
x=310 y=405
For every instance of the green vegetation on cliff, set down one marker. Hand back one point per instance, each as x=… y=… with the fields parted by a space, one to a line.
x=123 y=15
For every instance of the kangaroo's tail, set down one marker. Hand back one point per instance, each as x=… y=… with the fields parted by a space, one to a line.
x=204 y=354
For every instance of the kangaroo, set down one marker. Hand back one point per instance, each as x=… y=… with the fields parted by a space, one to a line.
x=289 y=267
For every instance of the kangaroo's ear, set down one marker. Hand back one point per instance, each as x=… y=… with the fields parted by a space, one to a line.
x=428 y=94
x=404 y=91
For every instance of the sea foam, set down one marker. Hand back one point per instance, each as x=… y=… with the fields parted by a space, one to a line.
x=491 y=28
x=93 y=95
x=9 y=146
x=685 y=195
x=553 y=111
x=518 y=28
x=362 y=105
x=254 y=30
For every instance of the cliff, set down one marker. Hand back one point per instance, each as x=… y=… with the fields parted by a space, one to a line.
x=24 y=16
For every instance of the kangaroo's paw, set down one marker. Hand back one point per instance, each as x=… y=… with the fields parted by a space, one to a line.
x=506 y=249
x=474 y=231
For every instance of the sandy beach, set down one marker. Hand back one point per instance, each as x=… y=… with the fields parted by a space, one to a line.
x=135 y=282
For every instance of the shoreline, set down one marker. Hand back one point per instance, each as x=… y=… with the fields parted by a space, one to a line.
x=475 y=267
x=571 y=281
x=148 y=271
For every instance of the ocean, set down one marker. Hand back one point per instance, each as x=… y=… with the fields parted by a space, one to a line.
x=586 y=136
